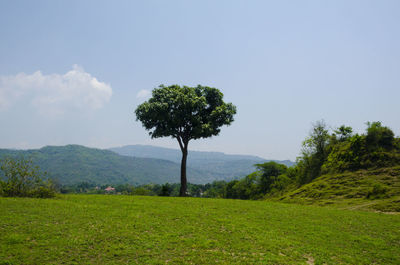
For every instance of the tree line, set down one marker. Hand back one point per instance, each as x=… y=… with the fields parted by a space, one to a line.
x=323 y=151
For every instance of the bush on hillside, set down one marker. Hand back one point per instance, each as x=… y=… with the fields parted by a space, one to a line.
x=21 y=178
x=165 y=190
x=344 y=151
x=378 y=191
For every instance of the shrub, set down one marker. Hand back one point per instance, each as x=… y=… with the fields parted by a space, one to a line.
x=21 y=178
x=166 y=190
x=142 y=191
x=377 y=191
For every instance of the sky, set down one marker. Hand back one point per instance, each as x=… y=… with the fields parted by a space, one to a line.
x=73 y=72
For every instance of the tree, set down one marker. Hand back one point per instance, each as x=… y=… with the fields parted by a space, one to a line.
x=314 y=152
x=19 y=177
x=166 y=190
x=185 y=113
x=270 y=171
x=379 y=136
x=344 y=132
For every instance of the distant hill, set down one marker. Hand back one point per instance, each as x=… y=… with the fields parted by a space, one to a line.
x=175 y=154
x=73 y=163
x=215 y=163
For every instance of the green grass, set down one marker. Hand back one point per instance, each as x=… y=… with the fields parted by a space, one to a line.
x=101 y=229
x=376 y=190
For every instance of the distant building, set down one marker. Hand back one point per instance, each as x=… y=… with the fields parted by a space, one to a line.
x=109 y=189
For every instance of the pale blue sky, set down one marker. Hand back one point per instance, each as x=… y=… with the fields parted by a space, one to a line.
x=284 y=64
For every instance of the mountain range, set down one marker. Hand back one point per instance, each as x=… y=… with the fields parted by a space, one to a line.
x=219 y=164
x=135 y=164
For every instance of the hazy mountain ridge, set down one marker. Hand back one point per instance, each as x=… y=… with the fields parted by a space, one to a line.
x=175 y=154
x=230 y=166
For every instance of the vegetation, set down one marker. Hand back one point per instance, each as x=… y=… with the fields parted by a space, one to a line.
x=73 y=164
x=344 y=151
x=167 y=189
x=340 y=169
x=334 y=168
x=185 y=113
x=82 y=229
x=376 y=190
x=21 y=178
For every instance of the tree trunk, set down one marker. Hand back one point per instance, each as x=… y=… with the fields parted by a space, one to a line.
x=182 y=191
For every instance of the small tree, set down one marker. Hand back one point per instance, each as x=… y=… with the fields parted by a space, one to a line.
x=23 y=179
x=166 y=190
x=314 y=152
x=379 y=136
x=185 y=113
x=270 y=171
x=344 y=132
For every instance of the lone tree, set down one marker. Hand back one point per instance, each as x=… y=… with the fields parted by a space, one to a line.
x=185 y=113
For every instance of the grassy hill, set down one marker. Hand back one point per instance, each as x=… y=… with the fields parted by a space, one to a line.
x=73 y=163
x=100 y=229
x=377 y=189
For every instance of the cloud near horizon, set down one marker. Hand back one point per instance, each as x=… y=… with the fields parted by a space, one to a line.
x=54 y=94
x=144 y=93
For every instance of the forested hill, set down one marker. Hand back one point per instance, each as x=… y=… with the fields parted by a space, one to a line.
x=73 y=164
x=217 y=163
x=338 y=166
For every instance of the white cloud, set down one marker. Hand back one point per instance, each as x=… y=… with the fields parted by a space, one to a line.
x=54 y=94
x=143 y=93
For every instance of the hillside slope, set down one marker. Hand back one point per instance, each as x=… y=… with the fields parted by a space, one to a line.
x=364 y=189
x=73 y=163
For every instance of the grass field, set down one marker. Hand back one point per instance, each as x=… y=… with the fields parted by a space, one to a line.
x=101 y=229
